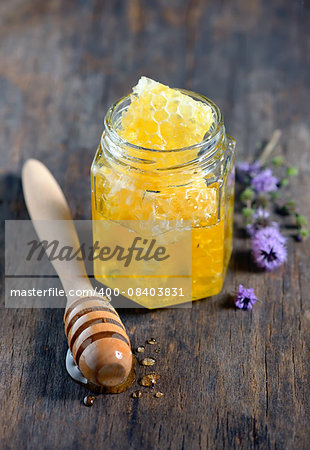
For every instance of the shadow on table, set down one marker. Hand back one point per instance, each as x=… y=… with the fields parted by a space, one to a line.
x=12 y=204
x=12 y=207
x=226 y=302
x=241 y=261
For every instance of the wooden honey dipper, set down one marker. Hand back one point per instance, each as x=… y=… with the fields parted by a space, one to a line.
x=96 y=336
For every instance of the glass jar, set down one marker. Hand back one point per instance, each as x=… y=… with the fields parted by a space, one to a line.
x=196 y=184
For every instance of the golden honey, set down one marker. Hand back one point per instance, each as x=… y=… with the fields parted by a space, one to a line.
x=194 y=183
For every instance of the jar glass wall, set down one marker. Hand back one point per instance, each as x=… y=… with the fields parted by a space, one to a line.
x=193 y=184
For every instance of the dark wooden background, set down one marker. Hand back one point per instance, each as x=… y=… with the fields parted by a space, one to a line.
x=232 y=379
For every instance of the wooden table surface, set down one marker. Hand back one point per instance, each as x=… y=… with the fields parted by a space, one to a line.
x=232 y=379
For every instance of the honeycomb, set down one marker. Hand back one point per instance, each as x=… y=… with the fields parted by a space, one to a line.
x=162 y=118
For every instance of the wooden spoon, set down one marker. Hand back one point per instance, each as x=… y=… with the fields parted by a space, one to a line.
x=96 y=335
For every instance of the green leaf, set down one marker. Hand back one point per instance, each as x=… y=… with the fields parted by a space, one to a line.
x=278 y=161
x=247 y=195
x=284 y=182
x=303 y=233
x=247 y=212
x=301 y=221
x=292 y=171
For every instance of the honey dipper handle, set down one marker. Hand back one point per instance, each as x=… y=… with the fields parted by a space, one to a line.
x=96 y=335
x=48 y=210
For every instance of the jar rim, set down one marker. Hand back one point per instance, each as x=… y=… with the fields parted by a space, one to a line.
x=209 y=136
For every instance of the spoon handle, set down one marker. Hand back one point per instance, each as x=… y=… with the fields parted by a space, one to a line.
x=52 y=221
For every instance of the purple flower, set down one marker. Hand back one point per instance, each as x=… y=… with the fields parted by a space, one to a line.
x=261 y=219
x=272 y=233
x=268 y=248
x=261 y=214
x=245 y=298
x=264 y=181
x=246 y=170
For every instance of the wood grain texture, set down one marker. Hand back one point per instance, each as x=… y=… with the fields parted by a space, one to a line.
x=231 y=379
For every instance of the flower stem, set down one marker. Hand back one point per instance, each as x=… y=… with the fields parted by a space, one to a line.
x=270 y=146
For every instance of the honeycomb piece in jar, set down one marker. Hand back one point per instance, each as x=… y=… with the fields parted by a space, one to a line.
x=162 y=118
